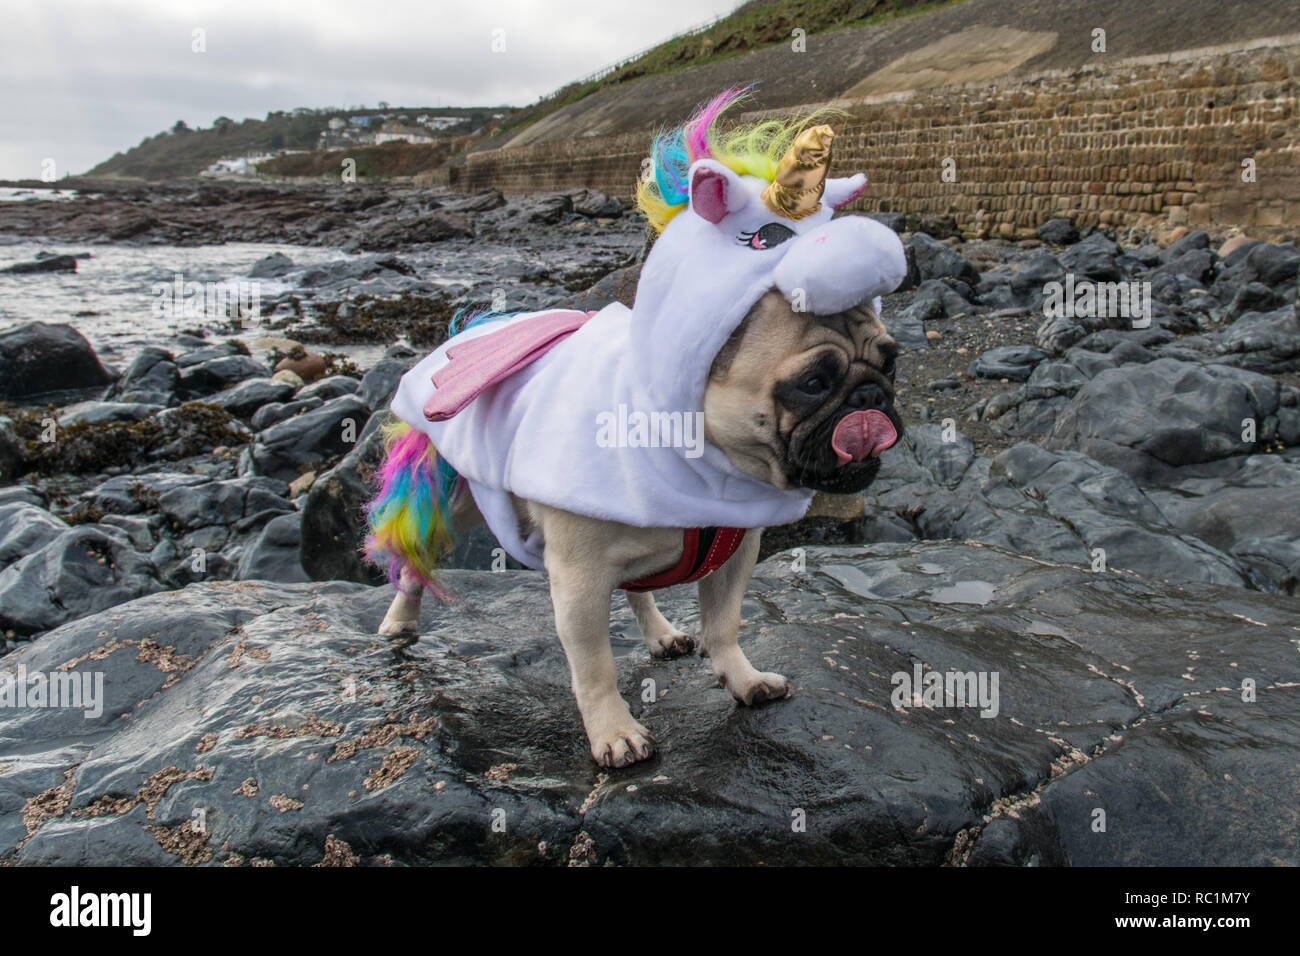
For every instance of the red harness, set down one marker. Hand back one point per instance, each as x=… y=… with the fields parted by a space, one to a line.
x=704 y=550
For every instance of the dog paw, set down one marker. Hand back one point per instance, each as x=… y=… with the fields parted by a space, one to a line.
x=757 y=687
x=622 y=746
x=393 y=626
x=671 y=644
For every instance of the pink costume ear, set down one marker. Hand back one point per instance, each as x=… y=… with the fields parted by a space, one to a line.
x=715 y=190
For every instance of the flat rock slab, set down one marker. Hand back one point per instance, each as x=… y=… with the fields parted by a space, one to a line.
x=254 y=723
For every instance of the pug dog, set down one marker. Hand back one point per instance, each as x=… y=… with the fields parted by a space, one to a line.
x=793 y=399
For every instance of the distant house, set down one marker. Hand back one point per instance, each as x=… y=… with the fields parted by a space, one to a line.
x=236 y=166
x=443 y=122
x=337 y=122
x=361 y=120
x=397 y=133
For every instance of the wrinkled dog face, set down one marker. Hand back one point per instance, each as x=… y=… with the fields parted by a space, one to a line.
x=783 y=383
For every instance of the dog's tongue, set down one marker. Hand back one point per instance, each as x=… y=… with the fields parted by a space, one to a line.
x=861 y=435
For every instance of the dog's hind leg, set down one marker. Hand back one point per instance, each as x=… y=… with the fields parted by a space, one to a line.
x=403 y=615
x=662 y=639
x=721 y=595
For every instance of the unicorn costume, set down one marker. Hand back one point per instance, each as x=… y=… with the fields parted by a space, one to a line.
x=525 y=405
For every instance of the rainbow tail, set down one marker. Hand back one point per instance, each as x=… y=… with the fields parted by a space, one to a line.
x=410 y=516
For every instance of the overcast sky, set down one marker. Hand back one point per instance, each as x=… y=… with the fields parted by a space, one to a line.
x=80 y=81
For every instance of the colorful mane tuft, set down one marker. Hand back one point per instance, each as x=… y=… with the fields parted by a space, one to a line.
x=410 y=516
x=753 y=149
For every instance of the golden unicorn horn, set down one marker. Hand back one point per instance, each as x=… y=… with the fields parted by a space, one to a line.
x=801 y=175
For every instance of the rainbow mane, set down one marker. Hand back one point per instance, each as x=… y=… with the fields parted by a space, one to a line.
x=410 y=516
x=752 y=149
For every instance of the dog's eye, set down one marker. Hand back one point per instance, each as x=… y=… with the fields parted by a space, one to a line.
x=773 y=234
x=887 y=366
x=813 y=385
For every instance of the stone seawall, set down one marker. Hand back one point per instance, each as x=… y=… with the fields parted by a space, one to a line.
x=1148 y=142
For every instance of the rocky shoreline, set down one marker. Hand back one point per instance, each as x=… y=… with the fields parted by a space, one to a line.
x=1115 y=510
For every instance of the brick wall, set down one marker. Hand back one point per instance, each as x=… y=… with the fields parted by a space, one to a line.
x=1151 y=142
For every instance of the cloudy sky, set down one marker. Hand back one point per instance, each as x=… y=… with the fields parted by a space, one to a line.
x=81 y=80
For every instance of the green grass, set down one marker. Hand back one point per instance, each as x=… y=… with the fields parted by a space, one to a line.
x=755 y=26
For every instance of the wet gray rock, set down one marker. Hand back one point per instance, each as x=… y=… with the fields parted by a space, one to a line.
x=43 y=264
x=237 y=503
x=1094 y=258
x=1027 y=284
x=484 y=201
x=152 y=378
x=292 y=446
x=1060 y=231
x=1273 y=264
x=940 y=298
x=545 y=209
x=82 y=570
x=380 y=383
x=1058 y=333
x=1151 y=420
x=273 y=554
x=907 y=326
x=1060 y=506
x=208 y=352
x=101 y=413
x=215 y=374
x=11 y=452
x=931 y=259
x=244 y=400
x=141 y=531
x=1252 y=515
x=1261 y=341
x=1252 y=297
x=40 y=358
x=1195 y=264
x=594 y=204
x=434 y=227
x=24 y=528
x=327 y=388
x=1014 y=362
x=271 y=267
x=276 y=412
x=1194 y=241
x=333 y=518
x=1112 y=691
x=135 y=494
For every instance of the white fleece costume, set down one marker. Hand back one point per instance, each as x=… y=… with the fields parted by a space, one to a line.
x=535 y=433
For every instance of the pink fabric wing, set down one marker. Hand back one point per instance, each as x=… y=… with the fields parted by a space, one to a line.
x=479 y=363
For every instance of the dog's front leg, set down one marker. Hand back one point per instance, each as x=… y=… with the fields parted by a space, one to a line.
x=581 y=595
x=721 y=595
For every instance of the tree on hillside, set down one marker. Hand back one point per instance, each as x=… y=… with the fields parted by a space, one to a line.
x=222 y=123
x=180 y=127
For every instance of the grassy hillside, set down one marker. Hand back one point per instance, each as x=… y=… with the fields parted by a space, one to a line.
x=183 y=152
x=388 y=159
x=753 y=26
